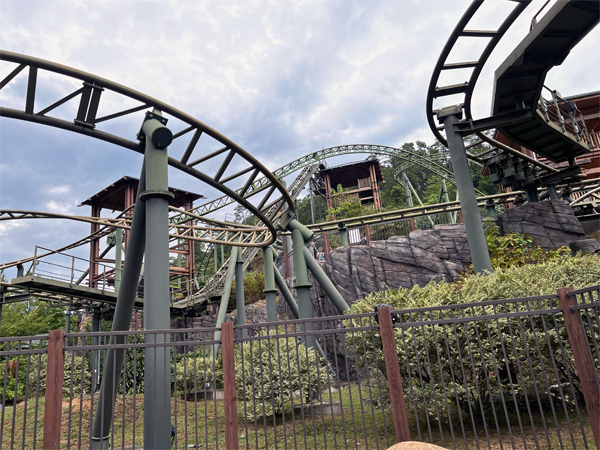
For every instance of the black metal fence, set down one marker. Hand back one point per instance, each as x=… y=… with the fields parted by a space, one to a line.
x=517 y=373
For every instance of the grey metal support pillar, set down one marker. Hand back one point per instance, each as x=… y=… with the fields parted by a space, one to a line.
x=331 y=291
x=531 y=193
x=270 y=290
x=157 y=370
x=285 y=292
x=121 y=321
x=490 y=207
x=464 y=183
x=312 y=203
x=222 y=255
x=407 y=194
x=240 y=302
x=216 y=257
x=289 y=298
x=552 y=193
x=446 y=198
x=118 y=259
x=343 y=237
x=95 y=353
x=289 y=247
x=68 y=320
x=225 y=298
x=302 y=286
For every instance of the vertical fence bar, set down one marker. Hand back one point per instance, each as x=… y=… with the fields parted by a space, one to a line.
x=230 y=405
x=583 y=361
x=54 y=390
x=392 y=367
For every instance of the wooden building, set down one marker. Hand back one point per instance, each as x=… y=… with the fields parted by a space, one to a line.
x=120 y=196
x=359 y=179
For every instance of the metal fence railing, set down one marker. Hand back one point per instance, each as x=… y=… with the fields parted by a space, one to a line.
x=516 y=373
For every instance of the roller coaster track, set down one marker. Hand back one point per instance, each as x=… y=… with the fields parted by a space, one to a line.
x=194 y=141
x=276 y=213
x=539 y=51
x=326 y=153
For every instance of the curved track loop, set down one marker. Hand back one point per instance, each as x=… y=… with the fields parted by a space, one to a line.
x=331 y=152
x=276 y=214
x=188 y=138
x=467 y=88
x=232 y=235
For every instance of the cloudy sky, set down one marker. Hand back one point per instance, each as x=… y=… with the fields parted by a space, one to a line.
x=281 y=79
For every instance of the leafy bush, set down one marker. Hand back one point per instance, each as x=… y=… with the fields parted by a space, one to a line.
x=270 y=373
x=13 y=375
x=254 y=285
x=496 y=353
x=196 y=370
x=515 y=249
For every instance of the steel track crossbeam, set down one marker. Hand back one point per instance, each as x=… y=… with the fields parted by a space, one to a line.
x=89 y=101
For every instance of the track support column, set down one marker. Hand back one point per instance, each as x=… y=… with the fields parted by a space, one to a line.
x=468 y=202
x=270 y=290
x=343 y=235
x=157 y=371
x=240 y=302
x=302 y=286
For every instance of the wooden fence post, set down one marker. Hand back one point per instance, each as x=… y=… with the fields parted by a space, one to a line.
x=583 y=361
x=392 y=368
x=231 y=424
x=54 y=390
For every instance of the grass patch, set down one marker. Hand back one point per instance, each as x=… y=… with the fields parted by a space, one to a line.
x=202 y=424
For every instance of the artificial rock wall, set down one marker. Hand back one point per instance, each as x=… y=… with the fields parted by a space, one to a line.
x=439 y=254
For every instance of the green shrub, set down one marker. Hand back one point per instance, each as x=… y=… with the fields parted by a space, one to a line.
x=254 y=285
x=515 y=249
x=503 y=355
x=271 y=373
x=195 y=370
x=13 y=376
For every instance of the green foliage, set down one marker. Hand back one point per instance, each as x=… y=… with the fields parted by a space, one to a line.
x=515 y=249
x=271 y=372
x=198 y=369
x=254 y=285
x=500 y=350
x=13 y=375
x=346 y=206
x=30 y=318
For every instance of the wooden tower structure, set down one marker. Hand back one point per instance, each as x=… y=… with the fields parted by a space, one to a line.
x=120 y=196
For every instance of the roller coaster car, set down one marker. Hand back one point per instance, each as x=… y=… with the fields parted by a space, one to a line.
x=555 y=130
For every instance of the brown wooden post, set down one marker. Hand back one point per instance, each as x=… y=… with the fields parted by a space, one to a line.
x=367 y=233
x=231 y=424
x=412 y=224
x=392 y=368
x=583 y=361
x=54 y=390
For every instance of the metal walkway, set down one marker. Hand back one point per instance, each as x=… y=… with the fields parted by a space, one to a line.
x=551 y=129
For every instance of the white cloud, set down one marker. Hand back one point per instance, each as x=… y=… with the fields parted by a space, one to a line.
x=279 y=78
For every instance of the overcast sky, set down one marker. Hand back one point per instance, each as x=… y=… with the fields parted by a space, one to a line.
x=281 y=79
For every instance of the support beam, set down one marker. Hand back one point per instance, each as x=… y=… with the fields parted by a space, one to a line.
x=118 y=261
x=121 y=321
x=468 y=202
x=225 y=297
x=331 y=291
x=343 y=235
x=302 y=286
x=240 y=303
x=157 y=372
x=270 y=290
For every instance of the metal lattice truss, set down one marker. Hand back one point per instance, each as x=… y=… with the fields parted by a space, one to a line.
x=201 y=151
x=276 y=213
x=324 y=154
x=465 y=90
